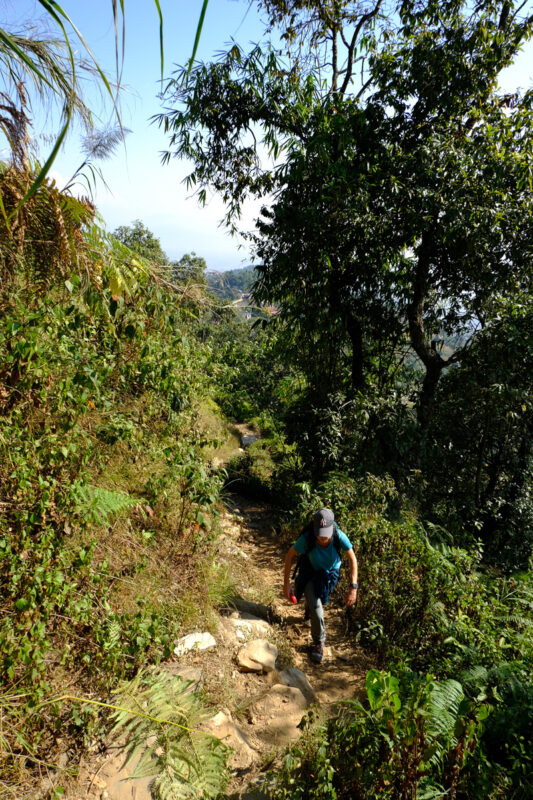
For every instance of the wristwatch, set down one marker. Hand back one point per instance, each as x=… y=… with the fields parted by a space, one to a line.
x=354 y=586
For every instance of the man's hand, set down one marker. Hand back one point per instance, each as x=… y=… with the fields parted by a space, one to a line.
x=291 y=553
x=350 y=597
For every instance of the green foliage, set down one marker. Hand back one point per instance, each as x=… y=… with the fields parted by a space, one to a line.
x=142 y=241
x=190 y=269
x=268 y=468
x=230 y=284
x=413 y=741
x=100 y=504
x=306 y=770
x=250 y=373
x=478 y=459
x=401 y=202
x=198 y=490
x=97 y=375
x=186 y=762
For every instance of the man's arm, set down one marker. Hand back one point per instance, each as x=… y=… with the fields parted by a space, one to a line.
x=351 y=594
x=291 y=553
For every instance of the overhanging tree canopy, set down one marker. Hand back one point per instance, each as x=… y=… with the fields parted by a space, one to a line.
x=403 y=202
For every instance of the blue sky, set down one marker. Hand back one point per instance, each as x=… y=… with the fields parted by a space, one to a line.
x=141 y=188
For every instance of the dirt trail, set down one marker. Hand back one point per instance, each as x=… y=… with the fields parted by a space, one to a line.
x=342 y=672
x=251 y=550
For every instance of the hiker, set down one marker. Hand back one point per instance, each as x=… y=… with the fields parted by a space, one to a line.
x=320 y=547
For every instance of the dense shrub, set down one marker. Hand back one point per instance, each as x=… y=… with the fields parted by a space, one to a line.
x=478 y=458
x=415 y=737
x=98 y=383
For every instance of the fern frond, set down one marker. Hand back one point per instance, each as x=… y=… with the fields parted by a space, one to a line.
x=428 y=790
x=445 y=699
x=188 y=763
x=101 y=504
x=516 y=619
x=114 y=632
x=476 y=676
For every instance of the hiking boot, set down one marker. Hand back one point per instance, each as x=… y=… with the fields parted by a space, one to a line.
x=317 y=652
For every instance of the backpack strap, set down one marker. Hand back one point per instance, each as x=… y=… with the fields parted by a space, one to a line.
x=337 y=540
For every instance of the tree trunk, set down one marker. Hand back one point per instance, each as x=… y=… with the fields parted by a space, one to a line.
x=425 y=350
x=355 y=332
x=429 y=387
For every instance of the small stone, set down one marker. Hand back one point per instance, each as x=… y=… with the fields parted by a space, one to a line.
x=200 y=641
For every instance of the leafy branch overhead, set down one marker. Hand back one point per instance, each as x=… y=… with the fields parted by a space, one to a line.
x=49 y=66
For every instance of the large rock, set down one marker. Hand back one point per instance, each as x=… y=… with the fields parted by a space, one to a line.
x=248 y=438
x=115 y=777
x=281 y=710
x=257 y=656
x=247 y=626
x=224 y=728
x=198 y=641
x=298 y=679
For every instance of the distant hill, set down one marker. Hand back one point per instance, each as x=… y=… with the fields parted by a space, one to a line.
x=232 y=284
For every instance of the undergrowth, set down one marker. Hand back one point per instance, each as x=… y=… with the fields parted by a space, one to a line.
x=108 y=507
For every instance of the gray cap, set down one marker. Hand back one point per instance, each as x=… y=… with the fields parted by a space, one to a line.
x=323 y=523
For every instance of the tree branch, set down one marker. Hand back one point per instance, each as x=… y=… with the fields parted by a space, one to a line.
x=334 y=59
x=351 y=47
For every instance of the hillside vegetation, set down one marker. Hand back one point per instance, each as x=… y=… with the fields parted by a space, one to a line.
x=229 y=285
x=111 y=382
x=399 y=218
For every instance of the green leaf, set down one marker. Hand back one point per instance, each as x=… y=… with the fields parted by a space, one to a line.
x=198 y=34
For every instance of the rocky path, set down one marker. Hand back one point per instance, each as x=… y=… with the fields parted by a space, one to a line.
x=342 y=672
x=257 y=554
x=257 y=675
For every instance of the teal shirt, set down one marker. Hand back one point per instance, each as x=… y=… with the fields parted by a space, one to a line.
x=323 y=557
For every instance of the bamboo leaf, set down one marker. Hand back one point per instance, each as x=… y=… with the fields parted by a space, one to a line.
x=51 y=6
x=198 y=34
x=12 y=45
x=161 y=46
